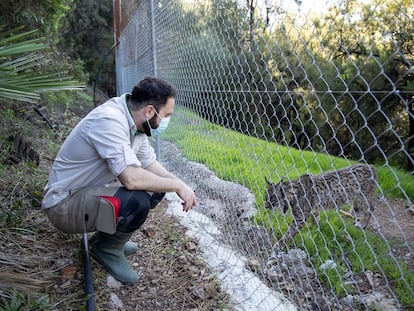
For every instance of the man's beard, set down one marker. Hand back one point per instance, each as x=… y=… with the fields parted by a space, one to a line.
x=150 y=124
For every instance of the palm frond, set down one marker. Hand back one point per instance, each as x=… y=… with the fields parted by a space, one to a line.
x=22 y=47
x=14 y=93
x=23 y=78
x=23 y=63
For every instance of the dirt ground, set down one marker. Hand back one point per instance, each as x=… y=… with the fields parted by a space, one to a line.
x=172 y=273
x=394 y=220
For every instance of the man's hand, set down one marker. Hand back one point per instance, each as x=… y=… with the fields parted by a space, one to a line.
x=188 y=197
x=185 y=193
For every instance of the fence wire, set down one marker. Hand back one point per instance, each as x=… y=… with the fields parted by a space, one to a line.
x=301 y=117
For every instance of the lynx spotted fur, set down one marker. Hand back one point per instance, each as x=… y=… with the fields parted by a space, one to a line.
x=354 y=185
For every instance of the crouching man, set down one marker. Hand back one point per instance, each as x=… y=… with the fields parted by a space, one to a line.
x=105 y=177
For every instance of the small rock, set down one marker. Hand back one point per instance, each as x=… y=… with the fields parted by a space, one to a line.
x=328 y=265
x=61 y=262
x=274 y=276
x=296 y=255
x=194 y=269
x=410 y=208
x=348 y=300
x=66 y=284
x=370 y=277
x=198 y=293
x=191 y=246
x=287 y=286
x=283 y=267
x=112 y=283
x=115 y=303
x=308 y=295
x=253 y=265
x=378 y=300
x=271 y=262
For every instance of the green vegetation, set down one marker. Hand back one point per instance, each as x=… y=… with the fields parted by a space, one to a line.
x=31 y=252
x=339 y=83
x=23 y=74
x=243 y=159
x=86 y=35
x=40 y=101
x=17 y=302
x=246 y=160
x=336 y=238
x=45 y=15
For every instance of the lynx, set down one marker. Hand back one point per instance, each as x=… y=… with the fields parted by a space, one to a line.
x=354 y=185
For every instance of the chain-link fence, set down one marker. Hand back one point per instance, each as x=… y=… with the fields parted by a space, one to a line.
x=294 y=123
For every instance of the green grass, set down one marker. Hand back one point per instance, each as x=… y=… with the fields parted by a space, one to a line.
x=339 y=240
x=248 y=160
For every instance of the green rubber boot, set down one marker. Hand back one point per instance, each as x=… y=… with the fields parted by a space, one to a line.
x=109 y=252
x=130 y=248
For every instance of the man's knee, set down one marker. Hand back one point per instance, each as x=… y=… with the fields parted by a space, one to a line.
x=135 y=206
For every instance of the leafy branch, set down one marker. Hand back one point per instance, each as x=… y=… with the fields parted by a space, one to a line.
x=25 y=69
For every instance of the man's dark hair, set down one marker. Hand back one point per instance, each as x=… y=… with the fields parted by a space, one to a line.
x=151 y=91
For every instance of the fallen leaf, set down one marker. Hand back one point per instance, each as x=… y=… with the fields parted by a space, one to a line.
x=150 y=233
x=68 y=272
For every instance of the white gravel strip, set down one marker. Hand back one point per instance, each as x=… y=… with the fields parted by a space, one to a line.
x=246 y=290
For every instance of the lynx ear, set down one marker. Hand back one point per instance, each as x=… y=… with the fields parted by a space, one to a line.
x=282 y=180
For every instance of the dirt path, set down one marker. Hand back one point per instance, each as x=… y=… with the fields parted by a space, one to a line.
x=393 y=221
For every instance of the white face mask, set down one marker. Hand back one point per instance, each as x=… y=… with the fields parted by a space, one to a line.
x=163 y=125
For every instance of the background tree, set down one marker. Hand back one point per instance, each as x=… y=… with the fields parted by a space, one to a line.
x=87 y=35
x=341 y=83
x=373 y=86
x=45 y=15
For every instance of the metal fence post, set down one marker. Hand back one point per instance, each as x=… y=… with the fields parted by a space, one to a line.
x=154 y=57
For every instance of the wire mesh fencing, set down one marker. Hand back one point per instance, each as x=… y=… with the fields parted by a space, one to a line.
x=294 y=123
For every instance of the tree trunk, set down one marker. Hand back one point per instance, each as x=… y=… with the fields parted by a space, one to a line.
x=251 y=8
x=410 y=165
